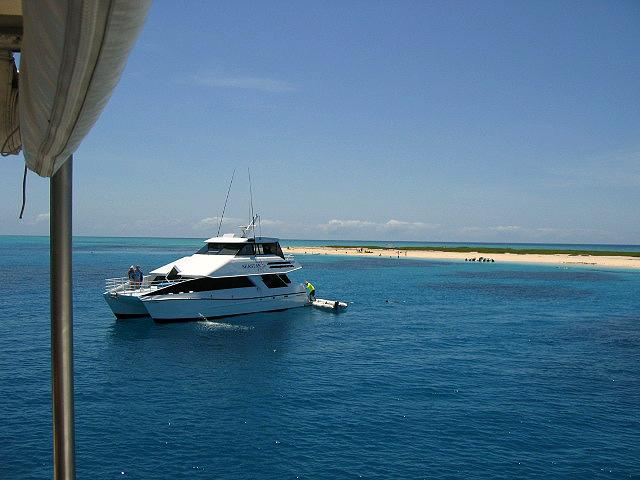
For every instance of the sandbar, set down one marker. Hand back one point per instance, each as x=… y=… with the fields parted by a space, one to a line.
x=617 y=261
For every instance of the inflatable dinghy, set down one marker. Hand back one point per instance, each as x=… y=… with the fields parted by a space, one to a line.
x=329 y=304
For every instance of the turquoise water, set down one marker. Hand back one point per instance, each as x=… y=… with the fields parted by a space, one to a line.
x=436 y=370
x=150 y=243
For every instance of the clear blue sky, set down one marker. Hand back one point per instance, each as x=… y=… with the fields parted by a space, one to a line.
x=451 y=120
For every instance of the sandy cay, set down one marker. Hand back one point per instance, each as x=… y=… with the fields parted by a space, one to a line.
x=552 y=259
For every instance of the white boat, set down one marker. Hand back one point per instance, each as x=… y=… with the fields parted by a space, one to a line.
x=229 y=275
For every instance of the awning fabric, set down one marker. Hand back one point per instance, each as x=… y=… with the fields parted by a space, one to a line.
x=73 y=53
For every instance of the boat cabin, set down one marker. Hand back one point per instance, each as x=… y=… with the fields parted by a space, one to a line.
x=229 y=244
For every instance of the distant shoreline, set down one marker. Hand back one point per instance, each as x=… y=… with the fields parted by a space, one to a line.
x=597 y=258
x=495 y=250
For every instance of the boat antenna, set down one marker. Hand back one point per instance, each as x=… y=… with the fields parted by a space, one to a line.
x=225 y=202
x=250 y=192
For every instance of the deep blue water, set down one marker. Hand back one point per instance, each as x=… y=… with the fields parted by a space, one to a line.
x=436 y=370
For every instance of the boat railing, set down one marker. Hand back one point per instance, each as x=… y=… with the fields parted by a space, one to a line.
x=125 y=285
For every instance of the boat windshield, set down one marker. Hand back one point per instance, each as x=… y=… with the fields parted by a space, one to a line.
x=272 y=249
x=242 y=249
x=220 y=249
x=268 y=249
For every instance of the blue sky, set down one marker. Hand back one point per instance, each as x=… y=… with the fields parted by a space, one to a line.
x=453 y=121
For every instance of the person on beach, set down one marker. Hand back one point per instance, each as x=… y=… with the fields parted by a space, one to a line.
x=311 y=289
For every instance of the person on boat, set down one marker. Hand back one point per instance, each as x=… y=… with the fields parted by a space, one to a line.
x=311 y=289
x=132 y=275
x=139 y=276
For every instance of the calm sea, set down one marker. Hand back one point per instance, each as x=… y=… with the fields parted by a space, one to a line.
x=437 y=370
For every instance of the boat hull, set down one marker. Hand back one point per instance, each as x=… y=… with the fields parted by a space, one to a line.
x=125 y=306
x=184 y=309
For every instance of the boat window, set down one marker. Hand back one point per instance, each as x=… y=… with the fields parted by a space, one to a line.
x=230 y=282
x=174 y=274
x=205 y=284
x=220 y=249
x=259 y=249
x=272 y=249
x=273 y=281
x=247 y=250
x=285 y=278
x=269 y=248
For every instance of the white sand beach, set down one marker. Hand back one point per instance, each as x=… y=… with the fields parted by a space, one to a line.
x=551 y=259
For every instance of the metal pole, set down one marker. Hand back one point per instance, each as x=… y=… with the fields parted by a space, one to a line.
x=62 y=323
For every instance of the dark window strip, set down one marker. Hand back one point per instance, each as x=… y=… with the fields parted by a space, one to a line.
x=204 y=284
x=273 y=281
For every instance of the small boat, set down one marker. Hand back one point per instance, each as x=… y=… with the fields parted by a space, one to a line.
x=230 y=275
x=329 y=304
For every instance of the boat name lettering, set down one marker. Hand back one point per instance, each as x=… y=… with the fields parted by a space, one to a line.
x=254 y=265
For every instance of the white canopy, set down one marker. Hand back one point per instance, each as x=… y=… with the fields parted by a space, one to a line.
x=73 y=53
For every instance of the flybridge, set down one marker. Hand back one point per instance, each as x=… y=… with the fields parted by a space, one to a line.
x=247 y=247
x=232 y=238
x=227 y=238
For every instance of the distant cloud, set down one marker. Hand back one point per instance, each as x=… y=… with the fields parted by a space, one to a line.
x=507 y=228
x=495 y=228
x=209 y=222
x=42 y=217
x=337 y=224
x=229 y=224
x=271 y=223
x=262 y=84
x=393 y=224
x=498 y=228
x=399 y=224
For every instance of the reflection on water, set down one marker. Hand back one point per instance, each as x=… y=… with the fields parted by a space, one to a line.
x=131 y=329
x=231 y=337
x=215 y=326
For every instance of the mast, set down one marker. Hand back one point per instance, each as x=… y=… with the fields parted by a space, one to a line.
x=251 y=227
x=225 y=202
x=250 y=195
